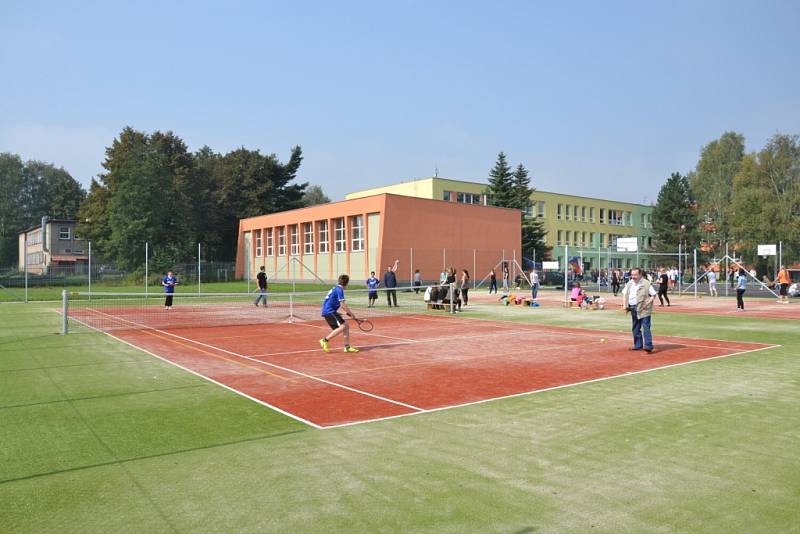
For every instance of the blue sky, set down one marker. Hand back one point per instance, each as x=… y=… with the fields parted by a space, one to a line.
x=595 y=98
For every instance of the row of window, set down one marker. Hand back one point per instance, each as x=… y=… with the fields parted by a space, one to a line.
x=568 y=212
x=463 y=198
x=578 y=239
x=36 y=258
x=356 y=224
x=35 y=237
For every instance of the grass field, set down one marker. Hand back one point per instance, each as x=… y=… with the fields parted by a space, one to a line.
x=100 y=437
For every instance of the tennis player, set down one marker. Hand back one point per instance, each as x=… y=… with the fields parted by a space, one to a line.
x=330 y=312
x=169 y=282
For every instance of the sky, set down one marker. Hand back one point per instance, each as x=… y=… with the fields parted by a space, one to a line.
x=602 y=99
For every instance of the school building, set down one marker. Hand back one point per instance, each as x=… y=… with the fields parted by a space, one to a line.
x=52 y=246
x=590 y=227
x=369 y=233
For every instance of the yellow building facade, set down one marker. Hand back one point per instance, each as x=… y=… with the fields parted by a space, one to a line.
x=589 y=227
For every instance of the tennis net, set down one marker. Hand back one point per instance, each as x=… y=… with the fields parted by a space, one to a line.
x=105 y=311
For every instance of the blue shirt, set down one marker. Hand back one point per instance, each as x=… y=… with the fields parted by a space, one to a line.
x=389 y=279
x=170 y=281
x=372 y=283
x=333 y=300
x=742 y=282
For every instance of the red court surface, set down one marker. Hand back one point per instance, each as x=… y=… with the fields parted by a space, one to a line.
x=756 y=307
x=407 y=364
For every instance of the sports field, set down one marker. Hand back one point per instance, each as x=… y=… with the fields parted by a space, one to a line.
x=501 y=419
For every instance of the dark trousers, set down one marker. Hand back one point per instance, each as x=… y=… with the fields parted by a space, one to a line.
x=168 y=300
x=739 y=299
x=493 y=286
x=391 y=295
x=615 y=288
x=417 y=285
x=662 y=294
x=642 y=338
x=465 y=295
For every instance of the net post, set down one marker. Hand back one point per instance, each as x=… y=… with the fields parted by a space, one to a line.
x=64 y=310
x=452 y=297
x=291 y=308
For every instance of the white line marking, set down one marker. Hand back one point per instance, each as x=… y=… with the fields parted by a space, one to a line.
x=288 y=370
x=553 y=388
x=240 y=393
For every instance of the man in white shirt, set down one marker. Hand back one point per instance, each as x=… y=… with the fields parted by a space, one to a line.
x=712 y=283
x=637 y=298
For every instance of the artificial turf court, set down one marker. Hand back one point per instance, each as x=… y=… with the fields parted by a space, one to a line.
x=410 y=364
x=99 y=436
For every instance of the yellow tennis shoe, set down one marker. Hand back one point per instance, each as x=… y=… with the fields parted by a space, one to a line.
x=350 y=349
x=324 y=344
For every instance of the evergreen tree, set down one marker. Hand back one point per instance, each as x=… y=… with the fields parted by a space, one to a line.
x=522 y=189
x=500 y=191
x=12 y=218
x=675 y=214
x=314 y=195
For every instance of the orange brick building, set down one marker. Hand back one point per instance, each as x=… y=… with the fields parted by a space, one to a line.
x=370 y=233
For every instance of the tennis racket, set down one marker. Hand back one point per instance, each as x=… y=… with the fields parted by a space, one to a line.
x=364 y=324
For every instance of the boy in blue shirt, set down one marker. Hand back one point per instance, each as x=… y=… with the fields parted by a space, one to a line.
x=169 y=283
x=372 y=285
x=330 y=312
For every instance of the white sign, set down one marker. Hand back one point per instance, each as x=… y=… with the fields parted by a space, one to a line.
x=551 y=265
x=627 y=244
x=767 y=250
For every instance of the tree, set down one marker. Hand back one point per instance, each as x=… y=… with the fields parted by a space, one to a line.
x=11 y=213
x=712 y=184
x=522 y=189
x=500 y=191
x=675 y=214
x=766 y=198
x=314 y=196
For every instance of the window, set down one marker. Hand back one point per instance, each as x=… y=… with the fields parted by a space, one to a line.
x=34 y=238
x=528 y=210
x=558 y=237
x=324 y=246
x=468 y=198
x=583 y=239
x=270 y=249
x=615 y=217
x=295 y=240
x=541 y=208
x=628 y=218
x=644 y=223
x=258 y=244
x=591 y=215
x=63 y=232
x=446 y=196
x=357 y=233
x=602 y=216
x=282 y=241
x=35 y=258
x=591 y=239
x=602 y=240
x=575 y=213
x=308 y=238
x=583 y=214
x=567 y=212
x=576 y=239
x=558 y=212
x=339 y=243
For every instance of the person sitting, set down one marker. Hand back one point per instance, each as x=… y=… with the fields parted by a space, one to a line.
x=426 y=297
x=436 y=295
x=456 y=299
x=577 y=294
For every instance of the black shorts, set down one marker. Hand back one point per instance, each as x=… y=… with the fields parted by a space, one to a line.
x=334 y=320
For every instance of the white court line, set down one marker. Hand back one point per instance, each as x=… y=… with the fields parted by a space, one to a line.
x=403 y=341
x=204 y=377
x=286 y=369
x=535 y=391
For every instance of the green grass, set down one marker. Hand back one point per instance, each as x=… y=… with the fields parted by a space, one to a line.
x=99 y=437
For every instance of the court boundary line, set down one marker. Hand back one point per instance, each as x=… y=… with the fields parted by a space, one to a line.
x=418 y=410
x=288 y=370
x=209 y=379
x=552 y=388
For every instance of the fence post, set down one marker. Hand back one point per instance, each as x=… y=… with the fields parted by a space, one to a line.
x=474 y=268
x=90 y=270
x=566 y=265
x=198 y=268
x=146 y=261
x=695 y=273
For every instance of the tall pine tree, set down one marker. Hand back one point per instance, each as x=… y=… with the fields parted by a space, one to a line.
x=500 y=191
x=675 y=214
